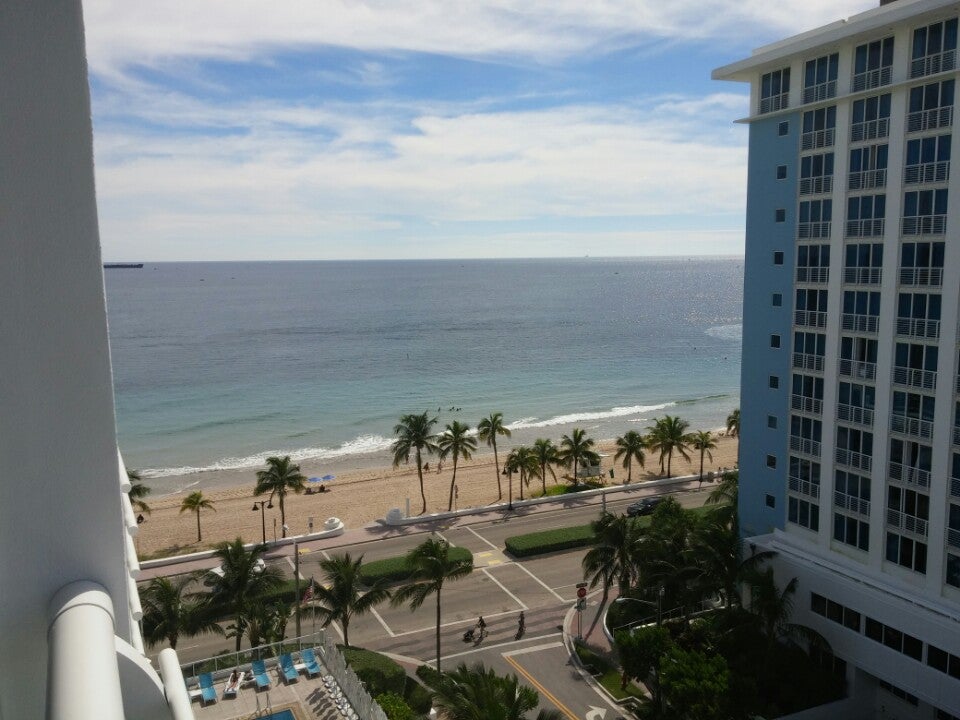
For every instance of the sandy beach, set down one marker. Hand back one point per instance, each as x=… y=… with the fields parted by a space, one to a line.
x=359 y=496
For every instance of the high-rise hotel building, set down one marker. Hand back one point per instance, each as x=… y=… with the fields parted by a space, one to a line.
x=850 y=458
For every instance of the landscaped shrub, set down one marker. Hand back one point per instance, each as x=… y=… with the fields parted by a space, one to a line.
x=395 y=707
x=396 y=569
x=417 y=696
x=550 y=541
x=378 y=672
x=428 y=675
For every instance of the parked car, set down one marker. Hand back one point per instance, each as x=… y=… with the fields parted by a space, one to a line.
x=646 y=506
x=258 y=568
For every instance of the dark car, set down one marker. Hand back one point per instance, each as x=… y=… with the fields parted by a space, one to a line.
x=644 y=507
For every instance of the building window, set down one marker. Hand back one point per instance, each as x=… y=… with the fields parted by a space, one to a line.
x=780 y=215
x=820 y=78
x=774 y=91
x=816 y=174
x=953 y=570
x=921 y=263
x=872 y=64
x=863 y=263
x=774 y=382
x=775 y=341
x=900 y=693
x=814 y=219
x=772 y=422
x=865 y=215
x=783 y=128
x=813 y=263
x=868 y=167
x=907 y=552
x=781 y=172
x=851 y=531
x=925 y=212
x=934 y=48
x=777 y=300
x=871 y=118
x=778 y=257
x=928 y=160
x=771 y=501
x=772 y=462
x=819 y=128
x=803 y=513
x=930 y=106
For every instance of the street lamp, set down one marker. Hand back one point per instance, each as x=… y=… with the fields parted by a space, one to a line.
x=510 y=488
x=263 y=517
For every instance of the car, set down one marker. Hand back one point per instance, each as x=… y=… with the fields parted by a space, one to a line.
x=258 y=567
x=646 y=506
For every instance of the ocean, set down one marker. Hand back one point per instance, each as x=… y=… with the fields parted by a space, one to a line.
x=219 y=365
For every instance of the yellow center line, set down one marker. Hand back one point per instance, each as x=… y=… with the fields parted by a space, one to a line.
x=563 y=708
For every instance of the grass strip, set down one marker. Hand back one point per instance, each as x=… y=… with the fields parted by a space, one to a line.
x=395 y=569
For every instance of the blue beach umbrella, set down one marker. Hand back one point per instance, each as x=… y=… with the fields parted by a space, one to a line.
x=327 y=477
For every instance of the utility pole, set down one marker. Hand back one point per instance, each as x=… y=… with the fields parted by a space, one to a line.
x=296 y=578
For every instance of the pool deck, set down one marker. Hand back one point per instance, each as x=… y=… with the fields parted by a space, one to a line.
x=307 y=695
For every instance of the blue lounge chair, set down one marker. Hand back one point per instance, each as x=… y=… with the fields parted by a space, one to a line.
x=259 y=671
x=287 y=668
x=207 y=693
x=310 y=663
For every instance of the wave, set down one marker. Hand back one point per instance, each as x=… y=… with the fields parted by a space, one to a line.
x=362 y=445
x=586 y=416
x=726 y=332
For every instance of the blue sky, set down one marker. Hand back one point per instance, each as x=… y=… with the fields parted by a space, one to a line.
x=243 y=130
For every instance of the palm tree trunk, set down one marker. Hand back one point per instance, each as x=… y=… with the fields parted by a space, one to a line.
x=701 y=468
x=423 y=495
x=438 y=629
x=283 y=518
x=453 y=481
x=669 y=461
x=523 y=475
x=543 y=477
x=239 y=634
x=345 y=623
x=496 y=466
x=198 y=525
x=629 y=470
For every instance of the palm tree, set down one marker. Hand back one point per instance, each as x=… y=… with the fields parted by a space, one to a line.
x=138 y=491
x=577 y=449
x=521 y=460
x=195 y=502
x=703 y=441
x=487 y=431
x=668 y=436
x=630 y=447
x=457 y=442
x=242 y=581
x=340 y=597
x=414 y=434
x=614 y=556
x=280 y=477
x=168 y=614
x=546 y=453
x=478 y=693
x=432 y=567
x=733 y=423
x=716 y=549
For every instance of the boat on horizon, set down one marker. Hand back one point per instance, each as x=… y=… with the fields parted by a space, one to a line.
x=112 y=266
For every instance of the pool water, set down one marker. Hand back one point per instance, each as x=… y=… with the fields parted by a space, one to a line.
x=282 y=715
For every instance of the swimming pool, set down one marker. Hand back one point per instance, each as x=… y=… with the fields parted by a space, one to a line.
x=282 y=715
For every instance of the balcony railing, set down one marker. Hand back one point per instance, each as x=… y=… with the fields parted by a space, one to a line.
x=816 y=185
x=903 y=521
x=810 y=318
x=851 y=503
x=774 y=103
x=927 y=173
x=819 y=275
x=859 y=323
x=915 y=378
x=806 y=404
x=853 y=459
x=932 y=64
x=805 y=445
x=870 y=130
x=953 y=537
x=872 y=79
x=811 y=230
x=928 y=276
x=855 y=414
x=804 y=487
x=956 y=387
x=862 y=275
x=923 y=120
x=924 y=225
x=871 y=227
x=956 y=435
x=955 y=487
x=808 y=361
x=817 y=139
x=914 y=427
x=820 y=91
x=918 y=327
x=909 y=475
x=866 y=179
x=858 y=369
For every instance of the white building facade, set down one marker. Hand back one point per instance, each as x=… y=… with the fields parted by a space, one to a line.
x=850 y=467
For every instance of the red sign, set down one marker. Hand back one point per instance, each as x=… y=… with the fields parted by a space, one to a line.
x=581 y=592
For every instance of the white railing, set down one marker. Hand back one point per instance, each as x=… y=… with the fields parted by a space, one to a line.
x=813 y=274
x=816 y=185
x=808 y=361
x=774 y=103
x=870 y=227
x=820 y=91
x=955 y=487
x=809 y=230
x=853 y=459
x=913 y=377
x=932 y=64
x=851 y=503
x=865 y=179
x=956 y=435
x=862 y=275
x=903 y=521
x=859 y=323
x=909 y=475
x=929 y=276
x=855 y=414
x=817 y=139
x=918 y=327
x=953 y=537
x=871 y=79
x=804 y=487
x=957 y=385
x=924 y=225
x=810 y=318
x=923 y=120
x=915 y=427
x=858 y=369
x=870 y=130
x=806 y=404
x=805 y=445
x=923 y=173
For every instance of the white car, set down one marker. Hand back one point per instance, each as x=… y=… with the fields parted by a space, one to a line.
x=258 y=568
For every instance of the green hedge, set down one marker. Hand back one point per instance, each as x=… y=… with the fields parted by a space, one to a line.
x=417 y=696
x=395 y=707
x=428 y=675
x=550 y=541
x=378 y=672
x=396 y=569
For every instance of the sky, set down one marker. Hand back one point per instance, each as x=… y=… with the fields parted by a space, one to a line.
x=399 y=129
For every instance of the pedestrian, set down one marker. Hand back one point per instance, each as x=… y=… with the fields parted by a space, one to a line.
x=521 y=625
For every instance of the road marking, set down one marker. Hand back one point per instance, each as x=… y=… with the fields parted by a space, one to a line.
x=386 y=627
x=535 y=648
x=455 y=622
x=550 y=696
x=595 y=713
x=481 y=648
x=503 y=587
x=440 y=535
x=482 y=538
x=549 y=589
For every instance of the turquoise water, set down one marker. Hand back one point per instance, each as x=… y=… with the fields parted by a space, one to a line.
x=218 y=365
x=282 y=715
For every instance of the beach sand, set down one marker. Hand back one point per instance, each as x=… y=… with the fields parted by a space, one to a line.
x=359 y=496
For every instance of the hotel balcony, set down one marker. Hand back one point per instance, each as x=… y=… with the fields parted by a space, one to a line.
x=774 y=103
x=820 y=91
x=813 y=275
x=855 y=414
x=911 y=426
x=914 y=378
x=918 y=328
x=908 y=475
x=957 y=385
x=955 y=487
x=867 y=179
x=851 y=503
x=956 y=435
x=853 y=459
x=808 y=361
x=859 y=323
x=872 y=227
x=923 y=120
x=871 y=79
x=813 y=230
x=924 y=276
x=806 y=404
x=870 y=130
x=862 y=275
x=818 y=139
x=953 y=537
x=805 y=446
x=933 y=64
x=810 y=318
x=909 y=523
x=858 y=369
x=924 y=225
x=804 y=487
x=816 y=185
x=927 y=173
